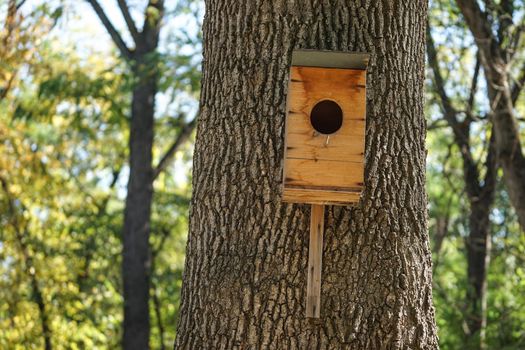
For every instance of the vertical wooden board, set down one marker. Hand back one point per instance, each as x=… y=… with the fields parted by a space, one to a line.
x=315 y=260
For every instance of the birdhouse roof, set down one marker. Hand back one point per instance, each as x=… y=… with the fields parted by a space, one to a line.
x=330 y=59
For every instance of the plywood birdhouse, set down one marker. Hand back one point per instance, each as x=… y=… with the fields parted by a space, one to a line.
x=325 y=128
x=324 y=143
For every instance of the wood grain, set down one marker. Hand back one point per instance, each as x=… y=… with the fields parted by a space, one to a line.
x=321 y=162
x=320 y=196
x=315 y=261
x=323 y=173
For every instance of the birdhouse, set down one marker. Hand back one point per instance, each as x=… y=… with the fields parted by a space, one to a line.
x=325 y=128
x=324 y=143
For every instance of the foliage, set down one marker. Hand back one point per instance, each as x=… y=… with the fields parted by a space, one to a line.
x=448 y=204
x=63 y=151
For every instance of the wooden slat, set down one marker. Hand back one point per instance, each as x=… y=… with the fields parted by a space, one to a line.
x=319 y=196
x=303 y=143
x=299 y=124
x=315 y=260
x=323 y=173
x=309 y=85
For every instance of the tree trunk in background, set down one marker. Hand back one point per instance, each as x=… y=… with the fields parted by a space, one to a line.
x=480 y=191
x=494 y=60
x=245 y=276
x=478 y=257
x=136 y=250
x=478 y=243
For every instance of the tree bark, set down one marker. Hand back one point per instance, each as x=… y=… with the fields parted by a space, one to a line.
x=245 y=276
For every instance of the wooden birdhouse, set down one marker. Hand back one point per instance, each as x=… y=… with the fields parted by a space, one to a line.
x=324 y=143
x=325 y=128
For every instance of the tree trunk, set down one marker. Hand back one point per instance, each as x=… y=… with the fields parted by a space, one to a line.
x=478 y=257
x=136 y=250
x=245 y=277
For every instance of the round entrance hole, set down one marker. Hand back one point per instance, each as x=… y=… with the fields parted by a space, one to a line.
x=326 y=117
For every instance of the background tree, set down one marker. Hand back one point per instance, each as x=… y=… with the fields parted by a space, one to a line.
x=245 y=274
x=63 y=131
x=144 y=66
x=470 y=217
x=498 y=40
x=480 y=190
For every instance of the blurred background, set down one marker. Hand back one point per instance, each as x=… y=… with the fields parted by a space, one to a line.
x=68 y=81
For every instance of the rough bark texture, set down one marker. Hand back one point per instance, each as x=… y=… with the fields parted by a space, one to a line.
x=245 y=277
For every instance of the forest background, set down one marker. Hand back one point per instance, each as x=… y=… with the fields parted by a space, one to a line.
x=71 y=76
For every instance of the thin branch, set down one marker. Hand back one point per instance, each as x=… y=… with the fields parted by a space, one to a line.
x=152 y=22
x=19 y=5
x=481 y=28
x=461 y=130
x=491 y=165
x=129 y=21
x=473 y=87
x=181 y=138
x=437 y=124
x=449 y=112
x=112 y=31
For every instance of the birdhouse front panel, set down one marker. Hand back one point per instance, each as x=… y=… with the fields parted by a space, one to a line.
x=325 y=134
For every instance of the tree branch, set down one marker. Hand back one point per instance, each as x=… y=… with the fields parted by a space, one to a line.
x=460 y=130
x=489 y=184
x=181 y=138
x=19 y=5
x=117 y=39
x=480 y=27
x=129 y=21
x=152 y=21
x=473 y=87
x=518 y=86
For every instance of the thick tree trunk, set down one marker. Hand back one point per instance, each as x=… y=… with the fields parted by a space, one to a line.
x=245 y=277
x=136 y=250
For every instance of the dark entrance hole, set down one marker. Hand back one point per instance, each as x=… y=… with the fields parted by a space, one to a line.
x=326 y=117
